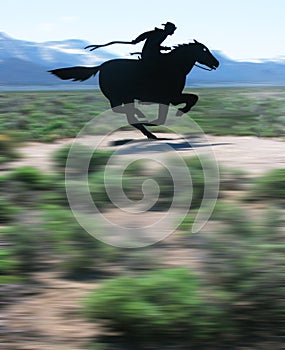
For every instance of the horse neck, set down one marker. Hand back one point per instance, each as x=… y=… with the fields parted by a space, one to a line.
x=180 y=56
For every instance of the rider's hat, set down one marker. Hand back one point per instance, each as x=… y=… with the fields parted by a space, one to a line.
x=169 y=25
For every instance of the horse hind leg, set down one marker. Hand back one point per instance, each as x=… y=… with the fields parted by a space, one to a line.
x=130 y=111
x=126 y=108
x=146 y=132
x=117 y=106
x=132 y=120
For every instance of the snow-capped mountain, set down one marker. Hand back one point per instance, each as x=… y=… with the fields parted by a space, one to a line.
x=52 y=52
x=230 y=72
x=26 y=63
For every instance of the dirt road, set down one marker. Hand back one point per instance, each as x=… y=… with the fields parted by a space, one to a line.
x=250 y=154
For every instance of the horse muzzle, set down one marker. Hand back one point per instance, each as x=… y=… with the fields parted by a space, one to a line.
x=215 y=65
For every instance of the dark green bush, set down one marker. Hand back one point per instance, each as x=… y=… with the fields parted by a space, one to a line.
x=8 y=263
x=75 y=248
x=8 y=148
x=54 y=198
x=245 y=258
x=8 y=211
x=269 y=186
x=163 y=306
x=31 y=177
x=98 y=190
x=137 y=173
x=131 y=184
x=80 y=156
x=27 y=245
x=198 y=181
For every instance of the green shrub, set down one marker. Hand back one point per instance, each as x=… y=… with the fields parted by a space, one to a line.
x=4 y=159
x=8 y=146
x=133 y=178
x=75 y=248
x=269 y=186
x=8 y=263
x=245 y=258
x=197 y=175
x=98 y=190
x=163 y=306
x=186 y=224
x=32 y=177
x=8 y=211
x=80 y=157
x=131 y=184
x=54 y=198
x=27 y=245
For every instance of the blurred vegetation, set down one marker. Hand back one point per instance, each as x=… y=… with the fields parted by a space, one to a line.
x=76 y=251
x=234 y=296
x=81 y=155
x=51 y=115
x=48 y=116
x=8 y=148
x=241 y=111
x=246 y=261
x=237 y=295
x=162 y=307
x=270 y=186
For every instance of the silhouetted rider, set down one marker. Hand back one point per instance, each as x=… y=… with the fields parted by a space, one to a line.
x=154 y=38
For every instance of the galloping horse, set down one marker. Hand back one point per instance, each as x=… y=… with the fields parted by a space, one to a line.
x=123 y=81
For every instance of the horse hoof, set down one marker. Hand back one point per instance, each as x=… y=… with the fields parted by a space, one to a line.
x=179 y=113
x=152 y=137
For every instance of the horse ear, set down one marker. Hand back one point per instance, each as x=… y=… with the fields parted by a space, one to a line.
x=195 y=41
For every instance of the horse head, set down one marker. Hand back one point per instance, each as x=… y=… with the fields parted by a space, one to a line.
x=204 y=56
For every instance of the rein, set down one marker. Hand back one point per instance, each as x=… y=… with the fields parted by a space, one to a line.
x=197 y=65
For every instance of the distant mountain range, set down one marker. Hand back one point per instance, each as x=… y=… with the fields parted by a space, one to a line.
x=25 y=63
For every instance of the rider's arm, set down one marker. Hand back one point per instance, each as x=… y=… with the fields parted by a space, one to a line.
x=165 y=48
x=140 y=38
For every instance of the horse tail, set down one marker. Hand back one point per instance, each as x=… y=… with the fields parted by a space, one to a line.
x=75 y=73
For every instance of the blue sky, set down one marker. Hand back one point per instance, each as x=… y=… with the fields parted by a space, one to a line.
x=244 y=29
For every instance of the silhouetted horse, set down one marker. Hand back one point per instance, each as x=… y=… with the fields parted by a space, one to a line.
x=123 y=81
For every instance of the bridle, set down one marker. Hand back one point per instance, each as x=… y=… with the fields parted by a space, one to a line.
x=197 y=65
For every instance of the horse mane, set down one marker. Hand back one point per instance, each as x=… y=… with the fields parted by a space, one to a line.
x=180 y=48
x=183 y=45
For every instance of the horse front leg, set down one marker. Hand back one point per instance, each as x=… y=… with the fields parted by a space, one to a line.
x=189 y=99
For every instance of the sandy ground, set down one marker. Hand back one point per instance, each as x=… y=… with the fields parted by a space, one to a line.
x=250 y=154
